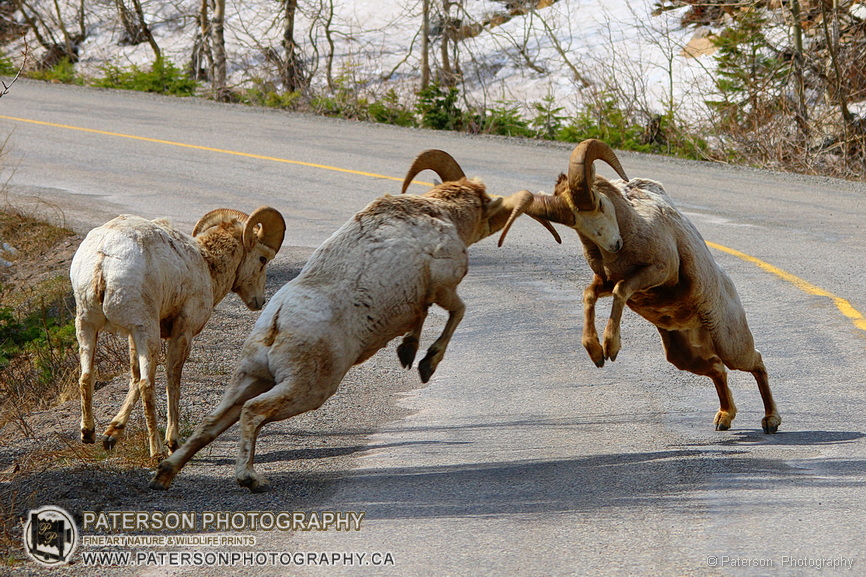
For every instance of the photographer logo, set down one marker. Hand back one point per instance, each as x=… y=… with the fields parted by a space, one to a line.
x=50 y=536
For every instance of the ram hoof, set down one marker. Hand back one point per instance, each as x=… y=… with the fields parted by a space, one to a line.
x=406 y=353
x=425 y=369
x=88 y=436
x=109 y=442
x=770 y=424
x=254 y=483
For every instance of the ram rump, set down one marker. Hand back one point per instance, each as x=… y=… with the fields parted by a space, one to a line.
x=149 y=281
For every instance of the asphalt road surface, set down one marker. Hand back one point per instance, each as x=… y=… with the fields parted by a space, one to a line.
x=520 y=457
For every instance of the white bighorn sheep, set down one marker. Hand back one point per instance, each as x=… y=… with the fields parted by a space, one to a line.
x=373 y=280
x=647 y=255
x=147 y=280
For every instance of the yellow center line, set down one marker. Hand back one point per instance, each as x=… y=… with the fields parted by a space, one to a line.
x=843 y=305
x=211 y=149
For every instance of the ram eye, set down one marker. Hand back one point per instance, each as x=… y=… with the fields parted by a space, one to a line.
x=263 y=260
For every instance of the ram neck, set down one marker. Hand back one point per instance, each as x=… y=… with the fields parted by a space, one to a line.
x=466 y=219
x=495 y=223
x=222 y=253
x=625 y=213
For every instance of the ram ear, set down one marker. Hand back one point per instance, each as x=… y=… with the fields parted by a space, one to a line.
x=492 y=206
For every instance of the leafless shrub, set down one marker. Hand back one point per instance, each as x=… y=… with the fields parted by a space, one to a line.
x=58 y=26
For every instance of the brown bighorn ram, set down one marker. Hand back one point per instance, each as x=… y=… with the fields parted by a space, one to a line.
x=647 y=255
x=373 y=280
x=147 y=280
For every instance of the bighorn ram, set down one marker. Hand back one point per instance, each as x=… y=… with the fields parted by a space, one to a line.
x=648 y=256
x=148 y=281
x=373 y=280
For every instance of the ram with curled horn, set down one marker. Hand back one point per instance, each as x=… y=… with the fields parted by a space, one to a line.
x=149 y=281
x=648 y=256
x=372 y=281
x=579 y=200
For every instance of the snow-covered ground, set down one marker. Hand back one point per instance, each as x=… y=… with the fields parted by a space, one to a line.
x=523 y=60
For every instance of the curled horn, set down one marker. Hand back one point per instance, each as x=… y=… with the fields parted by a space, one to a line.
x=540 y=207
x=581 y=172
x=439 y=162
x=217 y=216
x=271 y=232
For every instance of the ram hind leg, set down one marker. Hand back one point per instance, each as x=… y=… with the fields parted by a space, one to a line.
x=727 y=410
x=736 y=346
x=451 y=302
x=693 y=351
x=178 y=351
x=771 y=420
x=407 y=349
x=243 y=387
x=117 y=426
x=296 y=394
x=86 y=334
x=146 y=342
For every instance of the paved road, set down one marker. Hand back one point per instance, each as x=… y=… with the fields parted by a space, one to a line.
x=521 y=457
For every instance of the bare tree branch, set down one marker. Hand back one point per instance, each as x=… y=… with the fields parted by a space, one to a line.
x=34 y=20
x=6 y=87
x=157 y=53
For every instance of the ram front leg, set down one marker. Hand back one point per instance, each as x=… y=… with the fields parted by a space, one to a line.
x=612 y=337
x=451 y=302
x=596 y=289
x=645 y=278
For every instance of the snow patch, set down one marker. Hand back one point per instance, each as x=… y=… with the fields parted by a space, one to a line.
x=376 y=47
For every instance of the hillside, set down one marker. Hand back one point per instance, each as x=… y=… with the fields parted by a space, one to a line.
x=765 y=83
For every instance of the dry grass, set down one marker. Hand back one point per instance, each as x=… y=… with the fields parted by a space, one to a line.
x=774 y=141
x=39 y=367
x=36 y=294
